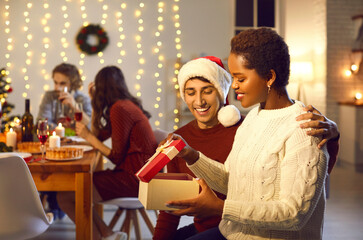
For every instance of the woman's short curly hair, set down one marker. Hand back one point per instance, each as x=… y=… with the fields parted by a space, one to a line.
x=71 y=72
x=264 y=50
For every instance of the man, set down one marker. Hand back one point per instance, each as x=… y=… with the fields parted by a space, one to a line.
x=204 y=85
x=59 y=105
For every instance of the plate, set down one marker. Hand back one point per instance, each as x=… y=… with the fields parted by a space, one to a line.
x=26 y=156
x=31 y=152
x=63 y=159
x=84 y=147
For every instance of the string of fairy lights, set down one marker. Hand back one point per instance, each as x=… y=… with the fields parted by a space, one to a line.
x=85 y=23
x=122 y=36
x=29 y=53
x=64 y=39
x=177 y=66
x=103 y=22
x=9 y=48
x=46 y=43
x=138 y=39
x=156 y=50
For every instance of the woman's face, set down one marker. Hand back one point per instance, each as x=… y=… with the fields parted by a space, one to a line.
x=250 y=87
x=203 y=101
x=61 y=81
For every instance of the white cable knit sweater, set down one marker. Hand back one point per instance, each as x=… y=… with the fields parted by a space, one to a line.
x=273 y=178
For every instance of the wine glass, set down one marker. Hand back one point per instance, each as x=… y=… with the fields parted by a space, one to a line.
x=42 y=132
x=60 y=103
x=78 y=111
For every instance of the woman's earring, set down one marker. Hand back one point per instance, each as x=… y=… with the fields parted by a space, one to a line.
x=269 y=88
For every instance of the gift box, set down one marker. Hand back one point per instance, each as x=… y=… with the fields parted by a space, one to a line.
x=162 y=156
x=166 y=187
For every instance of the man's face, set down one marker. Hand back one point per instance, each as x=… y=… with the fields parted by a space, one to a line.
x=203 y=101
x=61 y=81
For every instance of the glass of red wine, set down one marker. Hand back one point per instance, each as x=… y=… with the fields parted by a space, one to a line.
x=42 y=133
x=78 y=112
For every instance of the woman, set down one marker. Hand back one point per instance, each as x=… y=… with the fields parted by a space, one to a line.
x=119 y=115
x=274 y=175
x=204 y=85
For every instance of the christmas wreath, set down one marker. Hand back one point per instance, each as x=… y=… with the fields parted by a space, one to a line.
x=85 y=32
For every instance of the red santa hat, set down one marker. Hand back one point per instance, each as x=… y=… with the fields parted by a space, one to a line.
x=212 y=69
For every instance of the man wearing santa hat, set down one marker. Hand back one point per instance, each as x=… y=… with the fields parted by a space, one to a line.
x=204 y=84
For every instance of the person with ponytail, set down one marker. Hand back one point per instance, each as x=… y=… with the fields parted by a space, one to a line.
x=120 y=116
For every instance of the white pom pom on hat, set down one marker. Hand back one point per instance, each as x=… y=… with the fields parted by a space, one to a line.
x=229 y=115
x=212 y=69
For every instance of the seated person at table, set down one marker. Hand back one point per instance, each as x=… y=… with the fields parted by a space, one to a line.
x=204 y=85
x=119 y=115
x=59 y=105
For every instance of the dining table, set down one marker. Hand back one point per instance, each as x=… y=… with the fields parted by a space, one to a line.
x=74 y=175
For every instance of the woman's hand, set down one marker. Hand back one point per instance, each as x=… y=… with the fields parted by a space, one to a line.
x=91 y=89
x=82 y=130
x=207 y=204
x=321 y=126
x=187 y=153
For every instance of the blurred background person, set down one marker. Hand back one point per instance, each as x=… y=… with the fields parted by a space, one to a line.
x=58 y=105
x=119 y=115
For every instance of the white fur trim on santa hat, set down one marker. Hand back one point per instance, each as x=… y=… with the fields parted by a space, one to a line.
x=229 y=115
x=202 y=67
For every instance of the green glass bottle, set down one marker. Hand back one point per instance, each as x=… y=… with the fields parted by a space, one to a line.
x=27 y=123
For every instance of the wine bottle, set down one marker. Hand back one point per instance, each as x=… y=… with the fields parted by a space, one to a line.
x=27 y=123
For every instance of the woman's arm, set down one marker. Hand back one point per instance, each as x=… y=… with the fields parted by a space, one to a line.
x=301 y=183
x=213 y=172
x=85 y=133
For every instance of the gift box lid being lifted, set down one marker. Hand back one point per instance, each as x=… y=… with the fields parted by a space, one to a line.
x=163 y=155
x=158 y=188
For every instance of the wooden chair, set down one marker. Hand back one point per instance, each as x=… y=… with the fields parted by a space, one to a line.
x=130 y=206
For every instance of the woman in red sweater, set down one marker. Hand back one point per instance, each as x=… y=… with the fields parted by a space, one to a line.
x=119 y=115
x=204 y=85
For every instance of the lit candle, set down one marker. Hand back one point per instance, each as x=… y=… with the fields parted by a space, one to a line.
x=11 y=138
x=54 y=141
x=59 y=130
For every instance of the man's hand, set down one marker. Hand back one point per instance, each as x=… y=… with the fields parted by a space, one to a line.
x=321 y=126
x=207 y=204
x=67 y=99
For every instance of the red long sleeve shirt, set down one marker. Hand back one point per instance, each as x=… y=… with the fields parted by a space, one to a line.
x=133 y=142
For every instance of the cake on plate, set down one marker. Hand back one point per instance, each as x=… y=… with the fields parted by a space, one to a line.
x=29 y=147
x=64 y=153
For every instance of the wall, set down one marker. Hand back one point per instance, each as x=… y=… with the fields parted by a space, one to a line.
x=206 y=28
x=305 y=34
x=340 y=35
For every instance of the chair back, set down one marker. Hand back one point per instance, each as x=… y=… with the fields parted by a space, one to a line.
x=21 y=213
